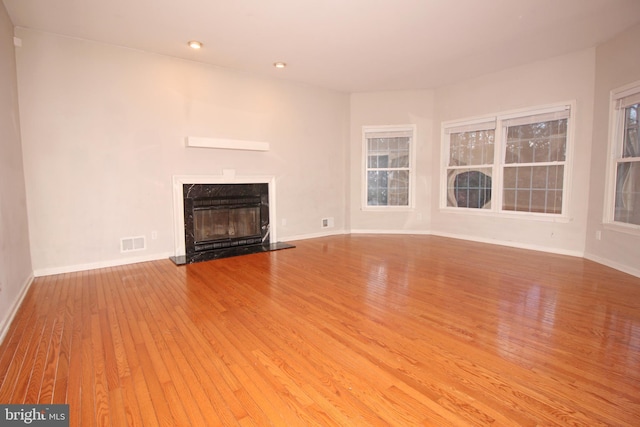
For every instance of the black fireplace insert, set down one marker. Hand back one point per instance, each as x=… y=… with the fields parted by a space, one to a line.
x=223 y=220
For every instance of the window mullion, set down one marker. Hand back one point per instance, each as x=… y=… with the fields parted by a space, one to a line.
x=482 y=166
x=387 y=169
x=521 y=165
x=627 y=159
x=499 y=155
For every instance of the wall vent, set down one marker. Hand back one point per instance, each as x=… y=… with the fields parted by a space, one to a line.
x=129 y=244
x=327 y=222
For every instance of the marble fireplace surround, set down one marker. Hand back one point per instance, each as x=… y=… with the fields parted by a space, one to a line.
x=228 y=177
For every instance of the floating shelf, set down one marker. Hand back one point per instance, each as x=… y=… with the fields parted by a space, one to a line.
x=227 y=144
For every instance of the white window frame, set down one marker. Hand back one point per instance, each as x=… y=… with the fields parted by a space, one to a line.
x=498 y=166
x=369 y=130
x=628 y=93
x=475 y=124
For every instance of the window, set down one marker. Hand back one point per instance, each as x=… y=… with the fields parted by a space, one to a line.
x=508 y=163
x=624 y=188
x=388 y=166
x=534 y=163
x=470 y=166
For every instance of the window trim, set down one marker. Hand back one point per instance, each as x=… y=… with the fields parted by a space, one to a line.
x=476 y=123
x=499 y=164
x=615 y=141
x=369 y=129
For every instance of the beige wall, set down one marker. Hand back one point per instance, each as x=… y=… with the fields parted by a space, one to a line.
x=565 y=78
x=103 y=132
x=569 y=78
x=617 y=64
x=15 y=261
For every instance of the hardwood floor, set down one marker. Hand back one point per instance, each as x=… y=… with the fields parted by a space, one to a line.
x=344 y=330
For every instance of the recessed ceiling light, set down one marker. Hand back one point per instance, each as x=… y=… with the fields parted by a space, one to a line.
x=193 y=44
x=280 y=64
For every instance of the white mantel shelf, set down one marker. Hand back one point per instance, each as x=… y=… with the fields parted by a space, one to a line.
x=227 y=144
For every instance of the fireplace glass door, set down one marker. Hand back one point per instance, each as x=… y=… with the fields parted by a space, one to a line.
x=226 y=223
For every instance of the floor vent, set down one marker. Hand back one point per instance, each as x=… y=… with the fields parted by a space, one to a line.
x=129 y=244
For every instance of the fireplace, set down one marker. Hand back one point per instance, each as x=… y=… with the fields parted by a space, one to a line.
x=220 y=216
x=225 y=219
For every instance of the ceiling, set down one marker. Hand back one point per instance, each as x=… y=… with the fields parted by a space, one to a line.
x=345 y=45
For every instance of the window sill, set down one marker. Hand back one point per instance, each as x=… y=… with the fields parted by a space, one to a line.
x=387 y=208
x=527 y=216
x=633 y=230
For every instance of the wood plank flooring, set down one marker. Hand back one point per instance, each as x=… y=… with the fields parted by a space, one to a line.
x=344 y=330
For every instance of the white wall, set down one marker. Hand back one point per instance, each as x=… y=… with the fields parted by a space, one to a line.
x=566 y=78
x=617 y=64
x=103 y=132
x=392 y=108
x=15 y=262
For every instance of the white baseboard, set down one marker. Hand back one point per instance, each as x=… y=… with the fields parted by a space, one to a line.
x=100 y=264
x=154 y=257
x=364 y=231
x=613 y=264
x=449 y=235
x=312 y=235
x=4 y=326
x=511 y=244
x=476 y=239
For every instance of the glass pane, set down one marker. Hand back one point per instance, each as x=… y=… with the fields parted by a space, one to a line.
x=216 y=224
x=377 y=188
x=631 y=147
x=383 y=145
x=388 y=152
x=471 y=148
x=388 y=188
x=398 y=159
x=454 y=148
x=558 y=149
x=403 y=162
x=210 y=224
x=509 y=200
x=244 y=222
x=533 y=189
x=627 y=207
x=372 y=161
x=537 y=142
x=469 y=188
x=398 y=188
